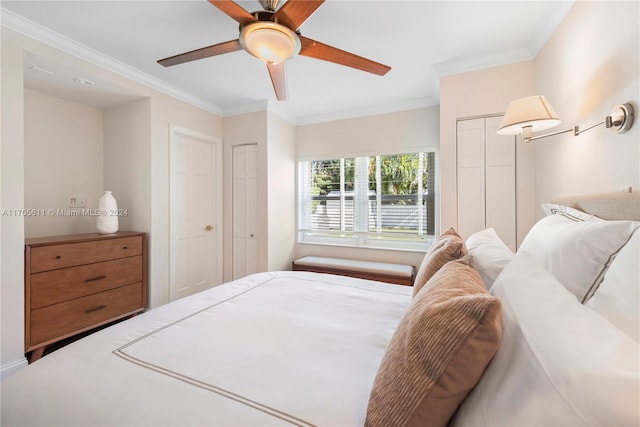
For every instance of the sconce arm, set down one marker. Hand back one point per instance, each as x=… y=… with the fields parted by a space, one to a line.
x=533 y=138
x=621 y=118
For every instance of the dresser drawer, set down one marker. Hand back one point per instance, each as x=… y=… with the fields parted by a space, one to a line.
x=54 y=257
x=73 y=316
x=52 y=287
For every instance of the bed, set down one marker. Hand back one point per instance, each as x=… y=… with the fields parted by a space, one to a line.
x=311 y=349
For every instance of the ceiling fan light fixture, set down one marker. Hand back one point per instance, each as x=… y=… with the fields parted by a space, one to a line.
x=270 y=41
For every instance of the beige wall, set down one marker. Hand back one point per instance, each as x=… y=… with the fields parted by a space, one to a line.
x=586 y=68
x=481 y=93
x=127 y=161
x=12 y=197
x=166 y=111
x=149 y=195
x=589 y=65
x=276 y=187
x=63 y=156
x=381 y=134
x=281 y=170
x=384 y=133
x=243 y=129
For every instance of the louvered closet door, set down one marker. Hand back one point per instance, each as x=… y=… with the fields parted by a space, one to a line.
x=486 y=167
x=245 y=210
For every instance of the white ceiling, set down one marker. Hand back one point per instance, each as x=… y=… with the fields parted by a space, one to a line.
x=420 y=40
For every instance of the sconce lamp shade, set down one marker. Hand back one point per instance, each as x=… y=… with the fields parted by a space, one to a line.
x=532 y=112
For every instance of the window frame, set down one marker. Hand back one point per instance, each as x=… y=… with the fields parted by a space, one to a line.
x=363 y=239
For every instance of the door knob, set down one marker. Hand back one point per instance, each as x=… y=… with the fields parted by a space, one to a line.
x=209 y=227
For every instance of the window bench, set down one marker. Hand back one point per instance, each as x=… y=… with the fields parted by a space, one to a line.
x=400 y=274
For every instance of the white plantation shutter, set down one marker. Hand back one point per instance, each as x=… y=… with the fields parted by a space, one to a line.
x=352 y=201
x=304 y=196
x=361 y=200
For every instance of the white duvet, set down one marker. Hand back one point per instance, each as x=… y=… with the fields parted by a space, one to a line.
x=282 y=348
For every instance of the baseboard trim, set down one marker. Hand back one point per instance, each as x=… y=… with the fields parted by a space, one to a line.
x=13 y=367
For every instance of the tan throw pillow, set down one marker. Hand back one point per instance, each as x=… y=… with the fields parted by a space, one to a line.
x=448 y=246
x=438 y=352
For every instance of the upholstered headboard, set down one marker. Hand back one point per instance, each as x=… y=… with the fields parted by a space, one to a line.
x=610 y=206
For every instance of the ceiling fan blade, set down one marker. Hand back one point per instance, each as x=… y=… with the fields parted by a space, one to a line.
x=293 y=13
x=234 y=10
x=278 y=79
x=315 y=49
x=204 y=52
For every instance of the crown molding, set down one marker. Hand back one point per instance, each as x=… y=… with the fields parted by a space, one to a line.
x=252 y=107
x=481 y=62
x=44 y=35
x=262 y=105
x=374 y=110
x=555 y=13
x=553 y=16
x=551 y=20
x=55 y=40
x=272 y=107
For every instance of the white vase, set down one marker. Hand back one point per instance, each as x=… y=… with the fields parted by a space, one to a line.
x=107 y=217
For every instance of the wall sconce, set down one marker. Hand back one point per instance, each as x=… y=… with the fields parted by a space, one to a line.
x=534 y=113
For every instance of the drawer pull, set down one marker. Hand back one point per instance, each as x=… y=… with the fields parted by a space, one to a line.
x=58 y=257
x=100 y=307
x=93 y=279
x=125 y=248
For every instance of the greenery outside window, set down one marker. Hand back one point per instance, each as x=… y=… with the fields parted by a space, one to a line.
x=379 y=201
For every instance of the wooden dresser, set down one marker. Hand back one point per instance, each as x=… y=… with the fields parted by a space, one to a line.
x=77 y=282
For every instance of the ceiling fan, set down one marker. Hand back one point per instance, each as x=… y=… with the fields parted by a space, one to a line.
x=273 y=35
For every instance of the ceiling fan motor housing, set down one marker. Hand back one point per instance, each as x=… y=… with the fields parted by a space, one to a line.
x=270 y=5
x=262 y=15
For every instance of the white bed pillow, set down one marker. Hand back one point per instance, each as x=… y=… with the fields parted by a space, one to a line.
x=577 y=252
x=571 y=213
x=618 y=296
x=490 y=254
x=559 y=362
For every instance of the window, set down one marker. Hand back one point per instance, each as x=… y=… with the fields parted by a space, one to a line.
x=378 y=201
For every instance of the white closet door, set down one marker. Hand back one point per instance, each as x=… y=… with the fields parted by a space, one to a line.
x=245 y=210
x=486 y=179
x=195 y=199
x=471 y=176
x=501 y=183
